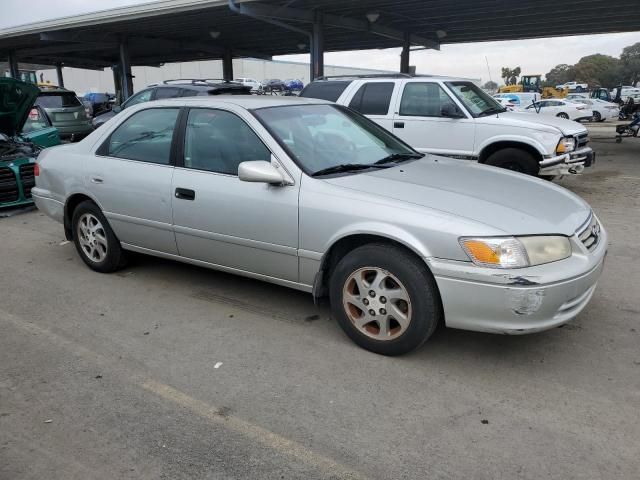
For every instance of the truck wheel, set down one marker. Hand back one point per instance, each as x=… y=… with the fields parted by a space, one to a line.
x=514 y=159
x=94 y=240
x=384 y=299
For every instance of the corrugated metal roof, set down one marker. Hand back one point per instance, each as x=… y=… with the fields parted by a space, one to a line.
x=180 y=30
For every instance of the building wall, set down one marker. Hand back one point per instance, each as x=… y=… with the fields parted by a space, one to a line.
x=83 y=81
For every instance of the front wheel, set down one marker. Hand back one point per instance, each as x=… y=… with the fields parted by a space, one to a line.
x=384 y=299
x=514 y=159
x=563 y=115
x=596 y=116
x=94 y=240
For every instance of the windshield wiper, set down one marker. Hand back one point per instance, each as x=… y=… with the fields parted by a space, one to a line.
x=398 y=157
x=492 y=110
x=345 y=167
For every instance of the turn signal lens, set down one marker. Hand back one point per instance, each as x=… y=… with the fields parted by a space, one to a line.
x=566 y=145
x=499 y=252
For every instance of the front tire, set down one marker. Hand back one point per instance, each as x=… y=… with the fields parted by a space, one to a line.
x=514 y=159
x=384 y=299
x=94 y=240
x=563 y=115
x=596 y=116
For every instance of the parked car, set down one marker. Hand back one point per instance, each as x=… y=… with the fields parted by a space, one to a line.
x=294 y=84
x=256 y=86
x=507 y=103
x=100 y=102
x=560 y=108
x=574 y=86
x=274 y=85
x=66 y=112
x=24 y=131
x=456 y=118
x=332 y=204
x=172 y=89
x=600 y=110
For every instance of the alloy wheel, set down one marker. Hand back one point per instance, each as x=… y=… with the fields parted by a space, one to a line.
x=377 y=303
x=92 y=237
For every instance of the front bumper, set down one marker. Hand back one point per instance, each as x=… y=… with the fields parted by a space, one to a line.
x=518 y=301
x=568 y=163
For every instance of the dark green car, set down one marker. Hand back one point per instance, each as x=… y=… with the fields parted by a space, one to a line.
x=24 y=131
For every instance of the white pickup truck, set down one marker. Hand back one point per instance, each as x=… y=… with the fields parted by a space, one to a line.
x=574 y=86
x=453 y=117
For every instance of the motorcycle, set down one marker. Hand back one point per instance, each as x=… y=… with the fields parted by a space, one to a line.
x=630 y=130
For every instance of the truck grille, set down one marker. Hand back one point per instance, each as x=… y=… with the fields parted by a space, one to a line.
x=8 y=186
x=589 y=234
x=582 y=140
x=27 y=178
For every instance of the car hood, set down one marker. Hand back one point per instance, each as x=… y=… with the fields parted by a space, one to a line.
x=16 y=100
x=540 y=122
x=513 y=203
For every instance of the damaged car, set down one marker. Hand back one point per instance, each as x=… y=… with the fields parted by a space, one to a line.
x=24 y=131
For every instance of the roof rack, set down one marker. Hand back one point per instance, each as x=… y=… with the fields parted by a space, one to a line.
x=192 y=81
x=367 y=75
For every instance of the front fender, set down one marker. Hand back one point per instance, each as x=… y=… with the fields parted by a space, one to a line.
x=541 y=142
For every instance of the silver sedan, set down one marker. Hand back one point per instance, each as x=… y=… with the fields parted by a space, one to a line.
x=314 y=196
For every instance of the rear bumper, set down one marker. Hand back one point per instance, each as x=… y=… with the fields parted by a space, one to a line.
x=518 y=301
x=47 y=205
x=75 y=131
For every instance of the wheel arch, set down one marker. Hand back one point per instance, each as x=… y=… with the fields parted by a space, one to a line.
x=344 y=244
x=70 y=205
x=494 y=147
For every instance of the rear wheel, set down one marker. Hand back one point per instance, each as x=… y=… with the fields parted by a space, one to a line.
x=563 y=115
x=596 y=116
x=94 y=240
x=384 y=299
x=514 y=159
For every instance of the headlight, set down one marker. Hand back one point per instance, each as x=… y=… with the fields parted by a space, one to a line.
x=512 y=252
x=566 y=145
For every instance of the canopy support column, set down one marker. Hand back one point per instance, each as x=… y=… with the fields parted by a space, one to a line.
x=125 y=71
x=227 y=65
x=59 y=74
x=317 y=47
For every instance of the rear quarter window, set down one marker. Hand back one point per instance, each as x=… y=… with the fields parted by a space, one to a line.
x=325 y=90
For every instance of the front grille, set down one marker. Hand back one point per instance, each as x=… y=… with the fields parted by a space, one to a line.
x=582 y=140
x=8 y=186
x=27 y=178
x=589 y=234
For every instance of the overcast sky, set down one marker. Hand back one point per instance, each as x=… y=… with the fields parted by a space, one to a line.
x=466 y=60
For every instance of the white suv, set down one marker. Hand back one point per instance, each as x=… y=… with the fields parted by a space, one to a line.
x=255 y=85
x=455 y=118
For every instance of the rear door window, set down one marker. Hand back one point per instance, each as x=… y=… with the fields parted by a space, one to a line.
x=325 y=90
x=373 y=98
x=145 y=136
x=58 y=100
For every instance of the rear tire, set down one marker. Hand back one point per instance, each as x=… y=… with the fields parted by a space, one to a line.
x=384 y=299
x=596 y=116
x=563 y=115
x=514 y=159
x=94 y=240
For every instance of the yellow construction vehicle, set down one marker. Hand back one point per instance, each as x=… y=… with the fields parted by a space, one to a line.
x=533 y=83
x=527 y=83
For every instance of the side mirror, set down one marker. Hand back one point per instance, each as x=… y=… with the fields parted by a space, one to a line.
x=449 y=110
x=116 y=109
x=259 y=171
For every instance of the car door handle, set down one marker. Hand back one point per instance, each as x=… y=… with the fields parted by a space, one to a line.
x=185 y=194
x=398 y=124
x=96 y=180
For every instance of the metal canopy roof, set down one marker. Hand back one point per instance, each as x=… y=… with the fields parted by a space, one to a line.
x=184 y=30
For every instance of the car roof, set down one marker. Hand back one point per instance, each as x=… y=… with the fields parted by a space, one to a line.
x=245 y=101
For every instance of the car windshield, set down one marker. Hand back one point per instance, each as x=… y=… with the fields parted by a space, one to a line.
x=58 y=100
x=475 y=99
x=323 y=137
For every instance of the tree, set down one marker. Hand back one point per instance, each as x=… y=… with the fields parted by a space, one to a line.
x=510 y=76
x=490 y=85
x=630 y=59
x=598 y=69
x=559 y=75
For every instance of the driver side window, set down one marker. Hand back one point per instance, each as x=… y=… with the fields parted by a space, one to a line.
x=423 y=99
